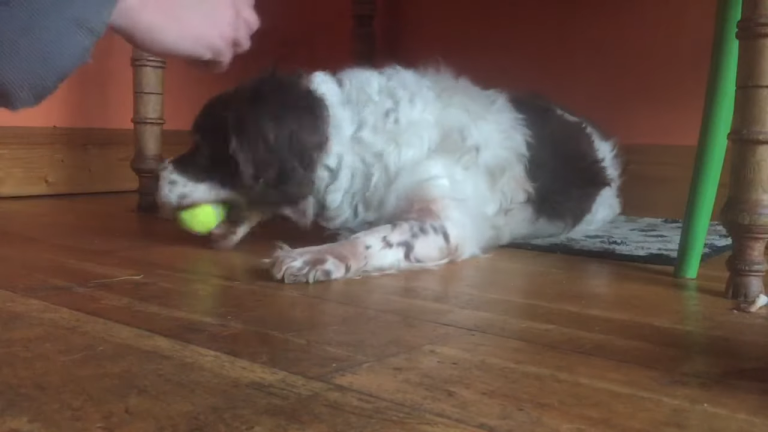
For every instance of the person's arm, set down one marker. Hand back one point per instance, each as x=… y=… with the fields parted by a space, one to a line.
x=42 y=42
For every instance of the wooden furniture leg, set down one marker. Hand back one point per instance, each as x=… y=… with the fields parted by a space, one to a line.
x=745 y=213
x=148 y=121
x=364 y=31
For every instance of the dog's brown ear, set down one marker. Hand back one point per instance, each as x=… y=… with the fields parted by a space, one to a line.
x=278 y=133
x=248 y=148
x=276 y=164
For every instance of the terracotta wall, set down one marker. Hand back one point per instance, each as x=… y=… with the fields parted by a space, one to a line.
x=636 y=67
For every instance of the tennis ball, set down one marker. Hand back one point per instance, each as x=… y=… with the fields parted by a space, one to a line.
x=202 y=219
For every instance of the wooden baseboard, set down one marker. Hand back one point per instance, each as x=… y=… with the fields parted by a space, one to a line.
x=57 y=161
x=657 y=180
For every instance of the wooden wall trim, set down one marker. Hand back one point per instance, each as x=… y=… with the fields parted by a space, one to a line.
x=657 y=179
x=56 y=161
x=38 y=161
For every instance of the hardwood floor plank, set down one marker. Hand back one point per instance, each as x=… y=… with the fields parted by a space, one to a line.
x=119 y=321
x=64 y=371
x=545 y=389
x=244 y=321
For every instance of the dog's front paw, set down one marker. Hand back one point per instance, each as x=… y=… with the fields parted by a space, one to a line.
x=228 y=235
x=308 y=265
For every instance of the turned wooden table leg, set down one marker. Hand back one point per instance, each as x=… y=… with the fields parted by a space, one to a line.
x=745 y=213
x=148 y=123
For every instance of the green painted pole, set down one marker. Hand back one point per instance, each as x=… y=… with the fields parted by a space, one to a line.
x=713 y=140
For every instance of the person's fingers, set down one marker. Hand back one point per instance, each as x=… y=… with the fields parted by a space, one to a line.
x=226 y=39
x=225 y=55
x=242 y=43
x=252 y=19
x=221 y=47
x=251 y=4
x=247 y=13
x=222 y=64
x=175 y=30
x=241 y=36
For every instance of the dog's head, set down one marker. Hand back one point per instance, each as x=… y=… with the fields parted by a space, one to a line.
x=256 y=145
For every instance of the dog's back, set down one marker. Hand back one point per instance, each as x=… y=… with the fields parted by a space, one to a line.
x=511 y=167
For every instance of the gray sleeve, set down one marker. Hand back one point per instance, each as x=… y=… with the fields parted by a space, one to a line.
x=42 y=42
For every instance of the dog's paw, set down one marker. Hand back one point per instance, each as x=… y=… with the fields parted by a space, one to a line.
x=228 y=235
x=308 y=265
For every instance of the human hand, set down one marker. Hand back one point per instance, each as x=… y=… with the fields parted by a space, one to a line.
x=210 y=31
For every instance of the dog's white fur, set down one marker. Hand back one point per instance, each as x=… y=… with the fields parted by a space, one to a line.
x=415 y=147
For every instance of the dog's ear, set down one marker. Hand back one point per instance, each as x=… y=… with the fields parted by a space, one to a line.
x=246 y=146
x=276 y=143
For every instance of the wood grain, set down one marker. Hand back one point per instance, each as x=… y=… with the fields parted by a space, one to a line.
x=116 y=320
x=745 y=214
x=55 y=161
x=657 y=179
x=148 y=120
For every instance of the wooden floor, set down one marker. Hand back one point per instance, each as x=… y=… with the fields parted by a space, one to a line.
x=112 y=321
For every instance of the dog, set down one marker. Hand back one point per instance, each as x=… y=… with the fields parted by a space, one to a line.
x=413 y=168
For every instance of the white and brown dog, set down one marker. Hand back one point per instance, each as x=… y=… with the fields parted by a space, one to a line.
x=413 y=168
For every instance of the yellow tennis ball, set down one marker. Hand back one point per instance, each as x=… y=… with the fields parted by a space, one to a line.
x=202 y=219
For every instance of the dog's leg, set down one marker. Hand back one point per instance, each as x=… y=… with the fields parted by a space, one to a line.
x=231 y=231
x=403 y=245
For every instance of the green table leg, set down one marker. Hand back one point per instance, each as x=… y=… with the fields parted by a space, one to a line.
x=713 y=141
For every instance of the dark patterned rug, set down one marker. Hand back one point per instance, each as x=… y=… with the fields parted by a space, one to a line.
x=640 y=240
